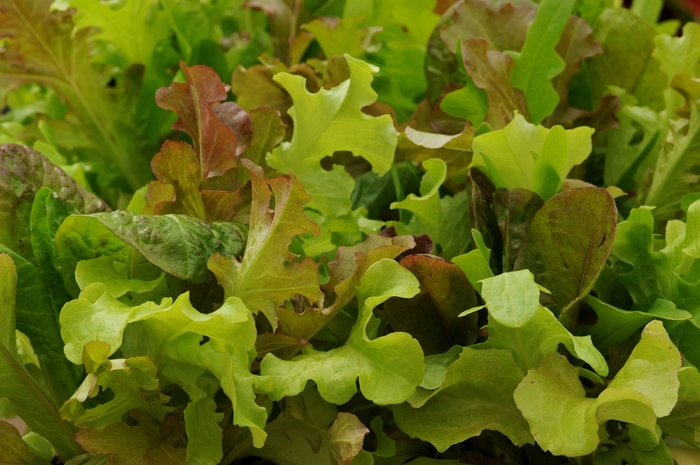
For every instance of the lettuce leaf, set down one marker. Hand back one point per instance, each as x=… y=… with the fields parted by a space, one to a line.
x=37 y=409
x=333 y=121
x=389 y=367
x=258 y=278
x=645 y=388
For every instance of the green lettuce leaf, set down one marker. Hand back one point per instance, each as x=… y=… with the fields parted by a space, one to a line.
x=674 y=175
x=626 y=61
x=645 y=388
x=614 y=326
x=455 y=150
x=445 y=219
x=37 y=409
x=23 y=172
x=332 y=120
x=537 y=63
x=539 y=335
x=477 y=395
x=684 y=420
x=262 y=279
x=677 y=55
x=37 y=318
x=311 y=431
x=179 y=245
x=405 y=29
x=389 y=367
x=171 y=335
x=148 y=442
x=13 y=449
x=506 y=155
x=132 y=381
x=513 y=299
x=432 y=317
x=568 y=244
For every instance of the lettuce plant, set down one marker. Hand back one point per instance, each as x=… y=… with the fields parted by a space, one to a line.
x=398 y=232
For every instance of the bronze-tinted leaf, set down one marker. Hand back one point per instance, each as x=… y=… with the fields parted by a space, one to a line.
x=432 y=316
x=568 y=243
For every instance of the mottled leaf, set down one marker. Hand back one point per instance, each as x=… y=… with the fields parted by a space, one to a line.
x=23 y=172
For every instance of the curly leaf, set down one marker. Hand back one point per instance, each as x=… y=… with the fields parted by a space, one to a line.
x=329 y=121
x=389 y=368
x=263 y=279
x=645 y=388
x=190 y=170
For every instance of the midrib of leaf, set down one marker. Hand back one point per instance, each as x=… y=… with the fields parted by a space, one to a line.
x=48 y=407
x=121 y=157
x=685 y=147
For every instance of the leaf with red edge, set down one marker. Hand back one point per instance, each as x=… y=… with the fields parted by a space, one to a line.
x=269 y=274
x=220 y=132
x=432 y=316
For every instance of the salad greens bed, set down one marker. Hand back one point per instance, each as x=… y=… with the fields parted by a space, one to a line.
x=391 y=232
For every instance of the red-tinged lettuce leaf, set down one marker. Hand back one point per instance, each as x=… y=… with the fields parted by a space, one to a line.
x=311 y=431
x=179 y=245
x=269 y=275
x=132 y=381
x=216 y=130
x=490 y=70
x=514 y=210
x=268 y=132
x=16 y=384
x=503 y=28
x=346 y=272
x=626 y=61
x=476 y=395
x=147 y=443
x=40 y=48
x=23 y=172
x=575 y=45
x=432 y=316
x=389 y=367
x=537 y=63
x=568 y=243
